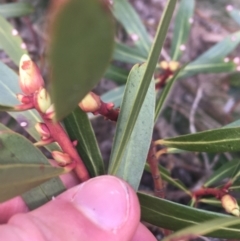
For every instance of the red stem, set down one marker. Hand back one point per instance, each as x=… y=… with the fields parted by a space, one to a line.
x=60 y=136
x=218 y=193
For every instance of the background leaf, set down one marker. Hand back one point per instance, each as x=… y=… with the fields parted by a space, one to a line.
x=146 y=78
x=235 y=15
x=135 y=154
x=127 y=16
x=173 y=216
x=212 y=61
x=216 y=140
x=10 y=43
x=77 y=65
x=182 y=27
x=13 y=10
x=79 y=128
x=203 y=228
x=225 y=171
x=116 y=74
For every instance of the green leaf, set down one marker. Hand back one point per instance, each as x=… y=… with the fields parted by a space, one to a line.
x=116 y=74
x=167 y=177
x=80 y=51
x=235 y=15
x=216 y=140
x=127 y=16
x=79 y=128
x=9 y=42
x=173 y=216
x=134 y=156
x=213 y=59
x=182 y=27
x=146 y=78
x=13 y=10
x=225 y=171
x=23 y=166
x=127 y=54
x=209 y=67
x=16 y=179
x=203 y=228
x=115 y=96
x=6 y=108
x=165 y=93
x=9 y=87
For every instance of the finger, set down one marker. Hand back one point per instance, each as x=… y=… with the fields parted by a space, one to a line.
x=17 y=205
x=104 y=208
x=143 y=234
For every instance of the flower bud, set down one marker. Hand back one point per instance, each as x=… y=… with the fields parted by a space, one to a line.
x=42 y=100
x=24 y=99
x=90 y=103
x=62 y=158
x=30 y=77
x=43 y=130
x=164 y=64
x=230 y=205
x=173 y=65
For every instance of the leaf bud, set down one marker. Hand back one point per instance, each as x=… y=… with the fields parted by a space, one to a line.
x=24 y=99
x=43 y=130
x=90 y=103
x=30 y=76
x=62 y=158
x=42 y=100
x=230 y=205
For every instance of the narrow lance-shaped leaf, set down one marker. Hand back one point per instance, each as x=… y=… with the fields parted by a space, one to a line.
x=10 y=41
x=225 y=171
x=133 y=159
x=13 y=10
x=173 y=216
x=203 y=229
x=127 y=16
x=146 y=78
x=77 y=64
x=128 y=54
x=217 y=140
x=212 y=60
x=182 y=27
x=79 y=128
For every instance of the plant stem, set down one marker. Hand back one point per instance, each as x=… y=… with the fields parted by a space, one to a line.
x=59 y=135
x=157 y=179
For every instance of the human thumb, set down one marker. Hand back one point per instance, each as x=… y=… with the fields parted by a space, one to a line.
x=103 y=208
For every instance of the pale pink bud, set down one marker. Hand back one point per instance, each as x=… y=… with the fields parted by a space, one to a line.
x=24 y=99
x=43 y=130
x=230 y=205
x=30 y=77
x=90 y=103
x=62 y=158
x=42 y=100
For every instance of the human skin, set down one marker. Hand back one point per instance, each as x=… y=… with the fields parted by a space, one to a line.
x=103 y=208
